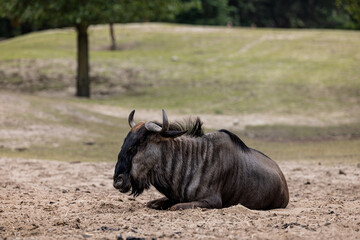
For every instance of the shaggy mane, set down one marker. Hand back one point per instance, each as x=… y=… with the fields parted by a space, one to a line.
x=193 y=127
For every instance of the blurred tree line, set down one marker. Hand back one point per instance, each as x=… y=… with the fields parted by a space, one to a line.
x=340 y=14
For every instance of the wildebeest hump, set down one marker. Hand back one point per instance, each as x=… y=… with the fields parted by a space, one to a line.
x=251 y=179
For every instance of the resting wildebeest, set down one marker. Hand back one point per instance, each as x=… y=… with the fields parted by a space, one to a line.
x=193 y=169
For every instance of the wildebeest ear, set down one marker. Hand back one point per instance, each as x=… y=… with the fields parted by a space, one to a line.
x=173 y=134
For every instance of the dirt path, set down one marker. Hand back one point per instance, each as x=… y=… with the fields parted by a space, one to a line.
x=59 y=200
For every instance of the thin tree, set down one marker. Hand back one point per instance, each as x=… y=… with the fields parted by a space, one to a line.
x=112 y=36
x=82 y=14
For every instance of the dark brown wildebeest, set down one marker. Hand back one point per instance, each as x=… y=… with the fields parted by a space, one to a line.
x=193 y=169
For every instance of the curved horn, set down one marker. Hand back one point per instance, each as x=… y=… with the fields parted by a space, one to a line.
x=165 y=127
x=131 y=119
x=152 y=127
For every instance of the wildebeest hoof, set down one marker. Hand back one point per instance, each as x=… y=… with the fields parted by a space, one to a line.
x=160 y=204
x=175 y=208
x=182 y=206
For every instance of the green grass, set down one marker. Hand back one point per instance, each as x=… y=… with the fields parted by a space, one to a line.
x=303 y=133
x=237 y=70
x=344 y=151
x=217 y=71
x=334 y=151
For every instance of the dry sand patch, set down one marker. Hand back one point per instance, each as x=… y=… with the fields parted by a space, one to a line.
x=60 y=200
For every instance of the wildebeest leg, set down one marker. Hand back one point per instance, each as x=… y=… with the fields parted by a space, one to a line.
x=160 y=204
x=211 y=202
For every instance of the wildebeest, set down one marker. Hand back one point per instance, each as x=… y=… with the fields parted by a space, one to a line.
x=193 y=169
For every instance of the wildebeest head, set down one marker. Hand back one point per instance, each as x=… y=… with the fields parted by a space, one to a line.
x=139 y=154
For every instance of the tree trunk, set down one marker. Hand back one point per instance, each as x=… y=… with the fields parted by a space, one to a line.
x=112 y=36
x=82 y=79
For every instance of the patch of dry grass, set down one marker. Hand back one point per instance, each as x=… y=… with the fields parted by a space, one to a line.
x=68 y=130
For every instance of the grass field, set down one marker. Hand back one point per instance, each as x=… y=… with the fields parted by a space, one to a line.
x=209 y=70
x=272 y=73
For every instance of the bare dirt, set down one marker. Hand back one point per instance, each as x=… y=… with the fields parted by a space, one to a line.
x=60 y=200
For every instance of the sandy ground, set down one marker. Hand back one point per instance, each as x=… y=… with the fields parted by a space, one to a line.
x=60 y=200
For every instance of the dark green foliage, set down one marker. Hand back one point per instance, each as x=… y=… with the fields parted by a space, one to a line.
x=289 y=14
x=6 y=30
x=353 y=8
x=270 y=13
x=205 y=12
x=261 y=13
x=71 y=12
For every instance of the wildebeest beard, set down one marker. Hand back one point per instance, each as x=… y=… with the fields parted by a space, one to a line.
x=138 y=186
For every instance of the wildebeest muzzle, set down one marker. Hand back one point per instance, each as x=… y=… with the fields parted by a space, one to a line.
x=122 y=183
